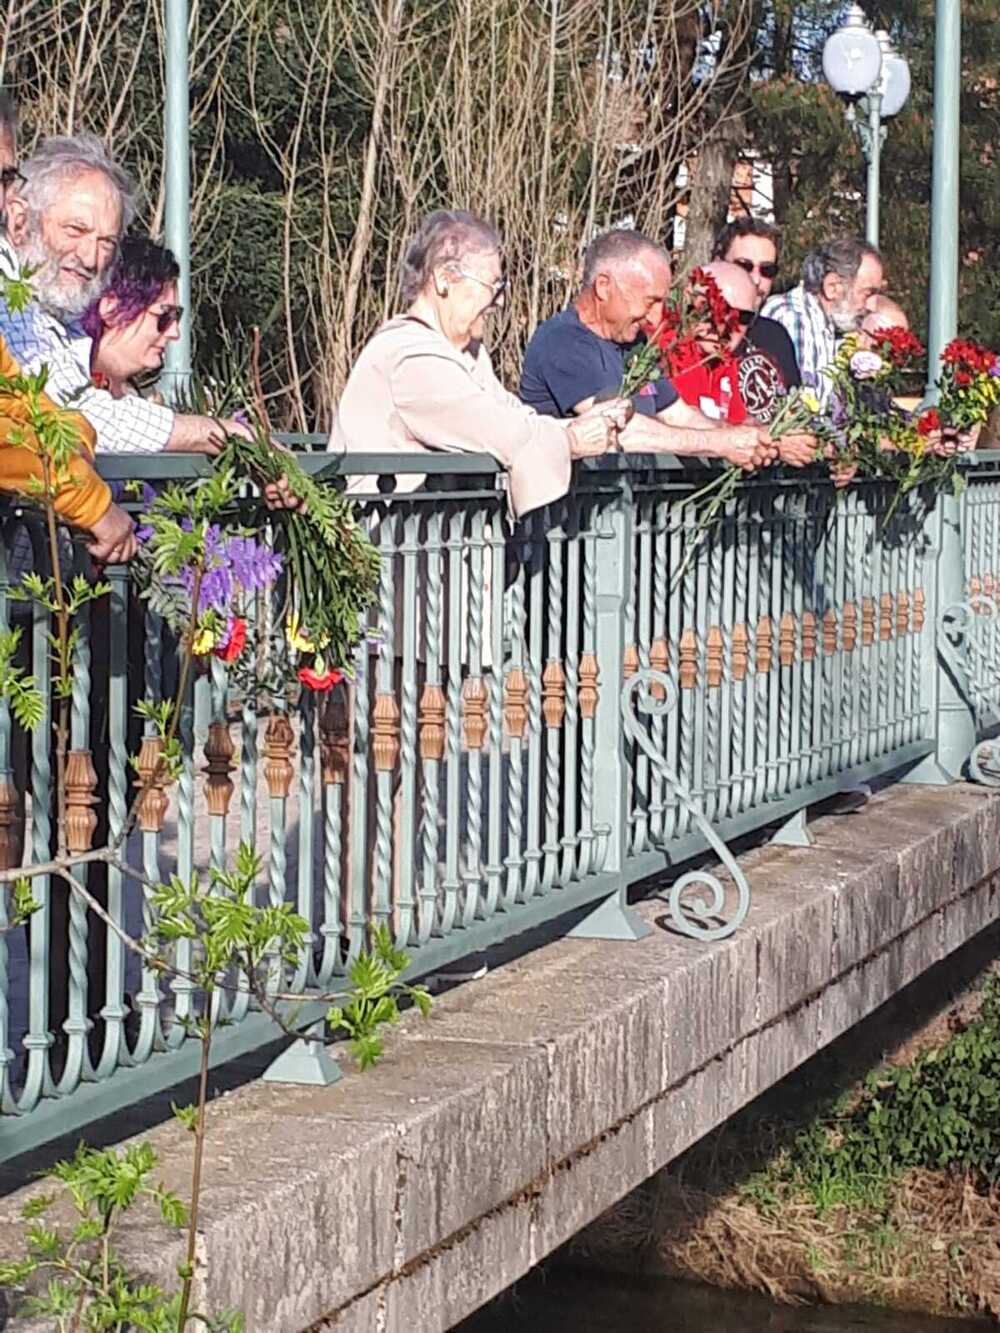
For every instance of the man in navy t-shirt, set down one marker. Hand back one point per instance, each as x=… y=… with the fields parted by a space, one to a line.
x=578 y=356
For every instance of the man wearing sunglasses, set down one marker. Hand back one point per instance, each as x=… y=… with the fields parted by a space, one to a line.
x=752 y=244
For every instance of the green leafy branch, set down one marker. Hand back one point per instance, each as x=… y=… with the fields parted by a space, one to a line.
x=376 y=991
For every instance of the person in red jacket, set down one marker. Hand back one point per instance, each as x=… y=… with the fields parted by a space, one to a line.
x=739 y=376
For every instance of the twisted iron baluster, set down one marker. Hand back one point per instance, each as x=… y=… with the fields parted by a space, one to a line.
x=406 y=900
x=472 y=873
x=716 y=683
x=685 y=699
x=641 y=637
x=77 y=1025
x=517 y=688
x=385 y=719
x=554 y=675
x=149 y=999
x=494 y=686
x=305 y=973
x=533 y=671
x=588 y=705
x=741 y=772
x=38 y=1039
x=659 y=656
x=180 y=985
x=431 y=743
x=452 y=724
x=571 y=724
x=115 y=1050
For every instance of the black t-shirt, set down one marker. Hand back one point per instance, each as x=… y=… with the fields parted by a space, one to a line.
x=767 y=367
x=566 y=363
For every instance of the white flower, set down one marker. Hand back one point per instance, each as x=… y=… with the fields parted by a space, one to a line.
x=866 y=365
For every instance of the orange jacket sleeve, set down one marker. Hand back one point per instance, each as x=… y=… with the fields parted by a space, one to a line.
x=85 y=497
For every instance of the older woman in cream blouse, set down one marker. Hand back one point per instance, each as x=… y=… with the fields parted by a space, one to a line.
x=425 y=381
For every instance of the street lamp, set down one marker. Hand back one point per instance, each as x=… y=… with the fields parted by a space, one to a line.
x=863 y=67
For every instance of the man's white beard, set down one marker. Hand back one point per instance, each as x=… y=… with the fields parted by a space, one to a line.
x=45 y=280
x=845 y=320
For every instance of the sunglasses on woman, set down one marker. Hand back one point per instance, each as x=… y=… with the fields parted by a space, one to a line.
x=169 y=315
x=765 y=270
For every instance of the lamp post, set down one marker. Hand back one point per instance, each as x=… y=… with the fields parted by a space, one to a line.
x=863 y=67
x=177 y=184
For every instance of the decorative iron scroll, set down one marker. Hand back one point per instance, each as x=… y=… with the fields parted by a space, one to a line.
x=963 y=628
x=654 y=694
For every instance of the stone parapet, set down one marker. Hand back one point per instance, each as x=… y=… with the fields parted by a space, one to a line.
x=535 y=1098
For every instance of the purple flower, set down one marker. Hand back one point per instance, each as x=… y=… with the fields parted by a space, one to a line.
x=866 y=365
x=995 y=369
x=254 y=567
x=810 y=379
x=838 y=412
x=148 y=494
x=143 y=534
x=216 y=589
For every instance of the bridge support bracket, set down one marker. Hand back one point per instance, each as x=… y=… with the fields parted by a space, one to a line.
x=306 y=1062
x=612 y=919
x=793 y=832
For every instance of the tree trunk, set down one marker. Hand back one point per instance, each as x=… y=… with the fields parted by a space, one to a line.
x=711 y=189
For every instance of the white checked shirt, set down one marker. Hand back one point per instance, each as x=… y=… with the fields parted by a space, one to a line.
x=35 y=338
x=813 y=336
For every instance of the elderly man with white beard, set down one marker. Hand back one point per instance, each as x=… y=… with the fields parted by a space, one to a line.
x=841 y=284
x=64 y=218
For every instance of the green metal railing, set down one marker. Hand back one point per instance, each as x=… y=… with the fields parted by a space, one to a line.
x=541 y=718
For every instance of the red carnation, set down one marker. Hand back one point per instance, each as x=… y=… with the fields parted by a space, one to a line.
x=929 y=422
x=898 y=344
x=235 y=643
x=321 y=681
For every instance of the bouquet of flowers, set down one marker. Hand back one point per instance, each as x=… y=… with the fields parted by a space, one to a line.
x=698 y=313
x=864 y=430
x=290 y=609
x=968 y=388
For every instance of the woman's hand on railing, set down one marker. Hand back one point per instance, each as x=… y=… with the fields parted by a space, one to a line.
x=113 y=538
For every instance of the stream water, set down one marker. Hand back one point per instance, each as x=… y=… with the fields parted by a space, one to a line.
x=567 y=1301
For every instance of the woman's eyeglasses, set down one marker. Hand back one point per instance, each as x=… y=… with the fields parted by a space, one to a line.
x=498 y=288
x=169 y=315
x=765 y=270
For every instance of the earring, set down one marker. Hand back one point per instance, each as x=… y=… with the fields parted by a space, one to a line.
x=444 y=290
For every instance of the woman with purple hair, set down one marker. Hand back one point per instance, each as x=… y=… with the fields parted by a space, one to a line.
x=135 y=319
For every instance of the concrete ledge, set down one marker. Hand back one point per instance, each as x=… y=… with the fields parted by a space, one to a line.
x=535 y=1098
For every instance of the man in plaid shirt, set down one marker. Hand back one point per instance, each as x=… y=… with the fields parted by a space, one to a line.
x=64 y=218
x=841 y=283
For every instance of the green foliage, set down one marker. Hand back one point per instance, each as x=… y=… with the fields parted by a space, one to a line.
x=229 y=929
x=376 y=990
x=26 y=700
x=25 y=903
x=161 y=715
x=86 y=1286
x=941 y=1113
